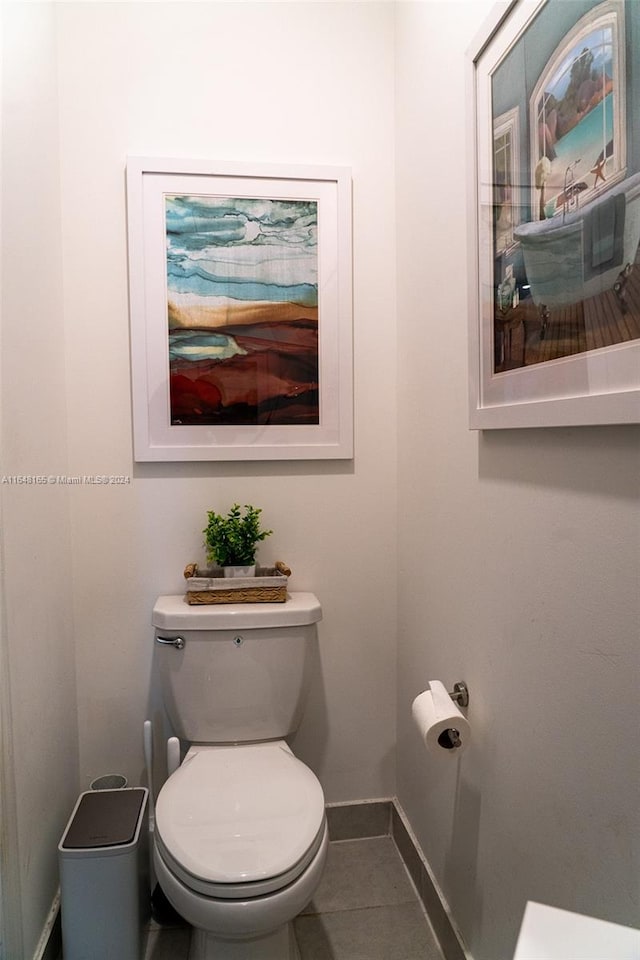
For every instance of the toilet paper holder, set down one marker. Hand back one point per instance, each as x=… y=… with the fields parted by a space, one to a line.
x=443 y=728
x=460 y=694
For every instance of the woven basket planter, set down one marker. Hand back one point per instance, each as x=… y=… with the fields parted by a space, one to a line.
x=211 y=586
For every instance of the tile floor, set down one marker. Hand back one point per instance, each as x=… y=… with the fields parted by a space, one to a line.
x=366 y=908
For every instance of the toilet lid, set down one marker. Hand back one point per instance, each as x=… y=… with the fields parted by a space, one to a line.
x=239 y=814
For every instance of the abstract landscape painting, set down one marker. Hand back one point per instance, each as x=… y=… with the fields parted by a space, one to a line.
x=242 y=310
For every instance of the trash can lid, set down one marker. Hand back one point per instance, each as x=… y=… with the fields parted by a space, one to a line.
x=105 y=818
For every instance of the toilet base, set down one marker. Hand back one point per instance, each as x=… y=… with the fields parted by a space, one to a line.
x=281 y=944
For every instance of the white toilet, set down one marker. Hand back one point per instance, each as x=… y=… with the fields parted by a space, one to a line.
x=240 y=831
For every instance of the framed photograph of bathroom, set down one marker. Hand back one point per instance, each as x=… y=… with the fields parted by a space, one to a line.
x=554 y=316
x=240 y=310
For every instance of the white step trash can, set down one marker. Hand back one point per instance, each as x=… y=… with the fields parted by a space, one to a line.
x=104 y=882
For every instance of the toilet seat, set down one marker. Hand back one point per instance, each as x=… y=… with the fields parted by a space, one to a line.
x=241 y=891
x=235 y=822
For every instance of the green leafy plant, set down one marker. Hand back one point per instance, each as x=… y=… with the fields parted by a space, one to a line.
x=233 y=540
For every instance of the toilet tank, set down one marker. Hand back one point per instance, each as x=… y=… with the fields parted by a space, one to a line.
x=238 y=672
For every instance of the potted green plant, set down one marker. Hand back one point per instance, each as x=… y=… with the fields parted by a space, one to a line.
x=232 y=540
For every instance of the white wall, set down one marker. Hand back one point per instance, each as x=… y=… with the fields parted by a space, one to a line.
x=519 y=555
x=40 y=723
x=517 y=552
x=306 y=83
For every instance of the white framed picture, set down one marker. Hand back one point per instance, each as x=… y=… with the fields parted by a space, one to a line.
x=241 y=310
x=554 y=318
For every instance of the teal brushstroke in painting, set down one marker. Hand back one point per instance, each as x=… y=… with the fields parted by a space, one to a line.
x=243 y=249
x=185 y=213
x=191 y=345
x=202 y=285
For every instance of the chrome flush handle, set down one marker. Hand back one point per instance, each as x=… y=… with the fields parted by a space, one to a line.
x=176 y=642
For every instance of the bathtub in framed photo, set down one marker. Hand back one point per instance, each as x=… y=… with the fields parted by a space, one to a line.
x=240 y=303
x=554 y=324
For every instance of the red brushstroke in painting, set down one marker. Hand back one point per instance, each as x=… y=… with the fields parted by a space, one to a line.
x=274 y=381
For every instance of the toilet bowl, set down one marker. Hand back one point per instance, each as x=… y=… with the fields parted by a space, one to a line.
x=240 y=836
x=239 y=847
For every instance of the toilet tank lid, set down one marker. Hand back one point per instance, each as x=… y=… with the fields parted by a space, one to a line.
x=174 y=613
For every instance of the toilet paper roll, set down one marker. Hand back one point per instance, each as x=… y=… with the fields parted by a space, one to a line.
x=435 y=714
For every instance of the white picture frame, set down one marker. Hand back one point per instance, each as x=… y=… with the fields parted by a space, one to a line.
x=593 y=386
x=310 y=419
